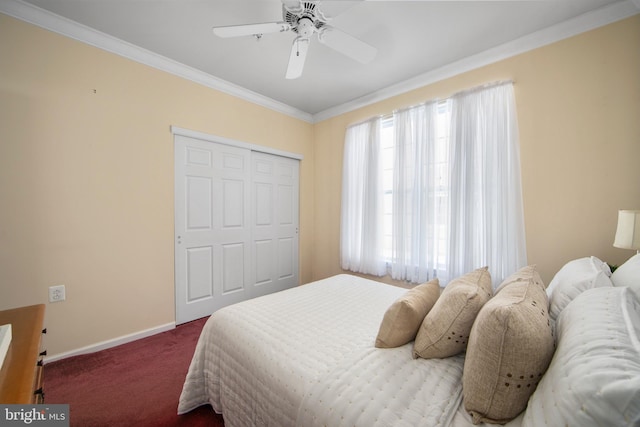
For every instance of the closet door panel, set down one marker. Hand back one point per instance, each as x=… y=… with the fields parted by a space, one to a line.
x=198 y=203
x=286 y=258
x=199 y=268
x=236 y=225
x=263 y=261
x=212 y=227
x=233 y=262
x=275 y=220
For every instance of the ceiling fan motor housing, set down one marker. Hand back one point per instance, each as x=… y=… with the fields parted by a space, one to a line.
x=304 y=21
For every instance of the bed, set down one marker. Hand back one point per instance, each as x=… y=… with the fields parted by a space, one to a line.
x=307 y=357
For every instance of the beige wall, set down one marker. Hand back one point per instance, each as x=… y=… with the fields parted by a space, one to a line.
x=578 y=106
x=86 y=168
x=86 y=180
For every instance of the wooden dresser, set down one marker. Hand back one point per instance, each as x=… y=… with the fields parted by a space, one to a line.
x=21 y=373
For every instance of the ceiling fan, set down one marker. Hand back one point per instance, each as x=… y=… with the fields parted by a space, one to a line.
x=305 y=19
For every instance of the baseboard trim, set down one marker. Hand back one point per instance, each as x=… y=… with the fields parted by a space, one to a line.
x=103 y=345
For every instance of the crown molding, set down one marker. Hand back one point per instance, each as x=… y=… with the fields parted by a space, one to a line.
x=580 y=24
x=66 y=27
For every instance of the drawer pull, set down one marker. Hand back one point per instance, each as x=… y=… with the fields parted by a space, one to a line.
x=44 y=331
x=39 y=391
x=39 y=363
x=44 y=353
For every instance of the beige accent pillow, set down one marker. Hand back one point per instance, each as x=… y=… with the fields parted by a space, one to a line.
x=510 y=347
x=445 y=330
x=403 y=318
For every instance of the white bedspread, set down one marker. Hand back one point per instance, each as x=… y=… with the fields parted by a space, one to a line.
x=385 y=388
x=306 y=357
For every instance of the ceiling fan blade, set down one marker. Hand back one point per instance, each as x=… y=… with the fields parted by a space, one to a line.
x=251 y=29
x=347 y=44
x=297 y=58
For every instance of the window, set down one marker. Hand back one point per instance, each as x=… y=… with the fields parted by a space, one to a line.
x=439 y=187
x=434 y=190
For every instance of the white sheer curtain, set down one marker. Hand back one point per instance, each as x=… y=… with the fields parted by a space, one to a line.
x=487 y=222
x=456 y=201
x=417 y=204
x=361 y=247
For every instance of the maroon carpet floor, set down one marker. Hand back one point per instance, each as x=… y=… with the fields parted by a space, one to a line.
x=135 y=384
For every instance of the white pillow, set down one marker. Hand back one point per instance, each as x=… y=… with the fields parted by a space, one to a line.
x=628 y=274
x=574 y=278
x=594 y=376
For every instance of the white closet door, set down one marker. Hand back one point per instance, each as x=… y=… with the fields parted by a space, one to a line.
x=275 y=196
x=212 y=227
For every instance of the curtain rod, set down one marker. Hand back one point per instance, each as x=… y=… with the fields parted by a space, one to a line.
x=436 y=100
x=483 y=87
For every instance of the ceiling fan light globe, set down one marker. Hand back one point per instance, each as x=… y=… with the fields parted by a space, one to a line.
x=306 y=27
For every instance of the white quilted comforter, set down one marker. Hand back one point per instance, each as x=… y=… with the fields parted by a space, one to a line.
x=306 y=357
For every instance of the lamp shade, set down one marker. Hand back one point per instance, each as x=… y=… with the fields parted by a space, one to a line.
x=628 y=232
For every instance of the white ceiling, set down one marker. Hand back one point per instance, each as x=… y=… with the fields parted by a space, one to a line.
x=416 y=41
